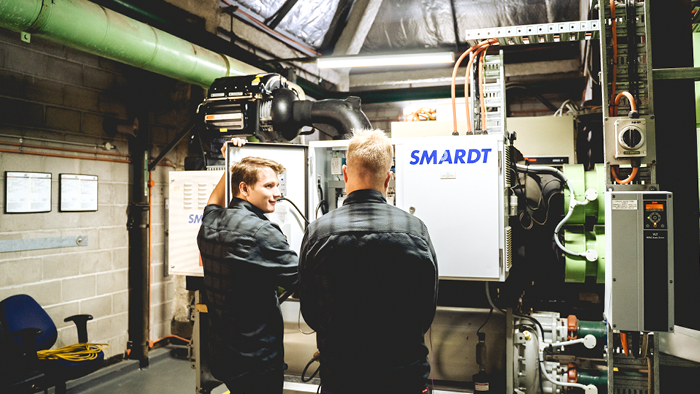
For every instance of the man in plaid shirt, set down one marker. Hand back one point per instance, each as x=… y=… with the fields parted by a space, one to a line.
x=368 y=282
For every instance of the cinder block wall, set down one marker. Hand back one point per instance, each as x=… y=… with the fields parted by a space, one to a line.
x=53 y=92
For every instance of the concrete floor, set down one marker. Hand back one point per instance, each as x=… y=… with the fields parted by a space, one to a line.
x=168 y=372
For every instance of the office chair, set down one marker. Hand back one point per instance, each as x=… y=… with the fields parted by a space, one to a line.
x=26 y=328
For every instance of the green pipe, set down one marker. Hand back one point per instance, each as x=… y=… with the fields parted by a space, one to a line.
x=100 y=31
x=596 y=378
x=595 y=328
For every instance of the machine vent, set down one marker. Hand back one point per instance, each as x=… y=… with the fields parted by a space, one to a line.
x=507 y=166
x=509 y=248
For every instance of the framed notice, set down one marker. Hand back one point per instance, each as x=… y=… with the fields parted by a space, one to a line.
x=27 y=192
x=77 y=193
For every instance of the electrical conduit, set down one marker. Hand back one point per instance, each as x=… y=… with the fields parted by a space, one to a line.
x=100 y=31
x=590 y=255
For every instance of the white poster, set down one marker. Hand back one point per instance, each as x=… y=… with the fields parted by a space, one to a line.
x=27 y=192
x=78 y=193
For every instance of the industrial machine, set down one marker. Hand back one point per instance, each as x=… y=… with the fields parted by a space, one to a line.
x=607 y=233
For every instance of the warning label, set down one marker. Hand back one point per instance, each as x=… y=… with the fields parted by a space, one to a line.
x=630 y=205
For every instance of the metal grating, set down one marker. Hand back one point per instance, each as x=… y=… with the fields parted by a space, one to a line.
x=537 y=34
x=494 y=96
x=627 y=56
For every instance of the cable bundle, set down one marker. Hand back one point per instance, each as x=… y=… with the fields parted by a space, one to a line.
x=77 y=352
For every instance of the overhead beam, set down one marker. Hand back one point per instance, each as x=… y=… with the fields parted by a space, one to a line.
x=545 y=70
x=353 y=36
x=360 y=21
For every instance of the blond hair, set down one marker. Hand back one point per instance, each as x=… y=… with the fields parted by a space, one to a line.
x=370 y=153
x=247 y=171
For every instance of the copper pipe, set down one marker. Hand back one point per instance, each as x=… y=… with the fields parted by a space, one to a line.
x=63 y=149
x=65 y=156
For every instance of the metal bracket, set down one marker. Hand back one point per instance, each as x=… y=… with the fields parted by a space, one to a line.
x=17 y=245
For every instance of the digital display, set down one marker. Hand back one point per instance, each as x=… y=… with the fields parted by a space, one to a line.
x=655 y=206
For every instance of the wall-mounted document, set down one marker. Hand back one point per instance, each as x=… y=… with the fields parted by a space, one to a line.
x=77 y=193
x=27 y=192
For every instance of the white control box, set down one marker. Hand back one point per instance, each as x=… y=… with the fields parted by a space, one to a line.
x=189 y=193
x=457 y=186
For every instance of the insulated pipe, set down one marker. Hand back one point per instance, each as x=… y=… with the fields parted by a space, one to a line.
x=100 y=31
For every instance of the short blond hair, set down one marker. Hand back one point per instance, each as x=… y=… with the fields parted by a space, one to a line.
x=247 y=171
x=370 y=152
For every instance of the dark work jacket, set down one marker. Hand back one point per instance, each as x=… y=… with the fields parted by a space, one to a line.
x=368 y=285
x=245 y=257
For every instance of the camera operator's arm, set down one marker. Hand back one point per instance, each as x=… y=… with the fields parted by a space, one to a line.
x=218 y=196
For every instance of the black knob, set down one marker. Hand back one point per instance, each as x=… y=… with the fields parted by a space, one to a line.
x=631 y=137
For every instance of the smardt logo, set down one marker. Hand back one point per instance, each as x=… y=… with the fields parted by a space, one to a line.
x=458 y=157
x=196 y=219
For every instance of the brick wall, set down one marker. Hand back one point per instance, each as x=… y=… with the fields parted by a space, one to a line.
x=53 y=92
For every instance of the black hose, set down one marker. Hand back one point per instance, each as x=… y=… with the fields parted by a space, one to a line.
x=283 y=198
x=303 y=373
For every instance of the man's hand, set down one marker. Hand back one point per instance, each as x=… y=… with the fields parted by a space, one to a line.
x=235 y=142
x=218 y=196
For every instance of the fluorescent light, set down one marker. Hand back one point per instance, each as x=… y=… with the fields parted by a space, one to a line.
x=385 y=60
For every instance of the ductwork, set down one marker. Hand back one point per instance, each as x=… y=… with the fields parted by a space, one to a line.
x=100 y=31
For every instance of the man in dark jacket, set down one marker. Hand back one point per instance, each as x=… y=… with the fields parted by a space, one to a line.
x=368 y=282
x=245 y=257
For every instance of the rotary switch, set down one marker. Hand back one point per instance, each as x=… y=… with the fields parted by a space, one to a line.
x=630 y=138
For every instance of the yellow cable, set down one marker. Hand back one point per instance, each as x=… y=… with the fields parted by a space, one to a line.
x=77 y=352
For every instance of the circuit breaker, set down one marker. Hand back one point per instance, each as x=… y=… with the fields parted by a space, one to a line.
x=639 y=262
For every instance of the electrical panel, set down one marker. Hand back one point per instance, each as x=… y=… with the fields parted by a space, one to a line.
x=293 y=185
x=457 y=186
x=326 y=184
x=639 y=262
x=189 y=192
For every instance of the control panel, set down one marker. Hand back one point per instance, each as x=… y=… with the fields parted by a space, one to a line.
x=639 y=262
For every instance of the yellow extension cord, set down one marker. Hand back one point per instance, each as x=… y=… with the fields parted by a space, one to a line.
x=77 y=352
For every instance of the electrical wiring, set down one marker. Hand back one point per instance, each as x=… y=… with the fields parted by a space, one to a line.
x=613 y=171
x=421 y=115
x=570 y=105
x=623 y=341
x=558 y=383
x=485 y=321
x=493 y=305
x=479 y=53
x=630 y=98
x=303 y=373
x=543 y=371
x=466 y=88
x=488 y=297
x=613 y=109
x=482 y=95
x=283 y=198
x=572 y=204
x=322 y=204
x=78 y=352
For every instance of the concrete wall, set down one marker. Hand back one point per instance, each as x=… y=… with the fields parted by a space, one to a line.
x=52 y=92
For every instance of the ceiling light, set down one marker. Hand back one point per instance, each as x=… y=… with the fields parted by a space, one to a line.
x=386 y=60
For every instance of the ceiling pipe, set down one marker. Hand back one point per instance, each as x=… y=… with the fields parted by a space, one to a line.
x=94 y=29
